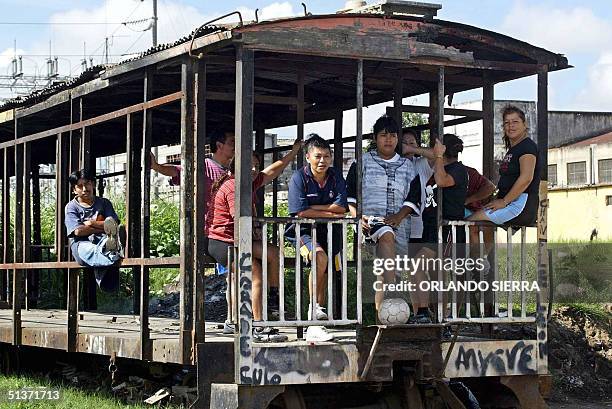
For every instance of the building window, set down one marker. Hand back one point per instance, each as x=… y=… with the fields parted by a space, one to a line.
x=605 y=170
x=552 y=175
x=173 y=158
x=576 y=173
x=608 y=200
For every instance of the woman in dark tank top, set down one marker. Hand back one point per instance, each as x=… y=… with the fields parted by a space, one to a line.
x=519 y=181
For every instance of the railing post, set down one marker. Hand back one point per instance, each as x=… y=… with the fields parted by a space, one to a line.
x=199 y=206
x=18 y=240
x=543 y=295
x=145 y=222
x=133 y=172
x=244 y=188
x=4 y=230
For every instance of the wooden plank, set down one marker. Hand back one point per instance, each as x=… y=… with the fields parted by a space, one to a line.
x=375 y=45
x=169 y=53
x=4 y=225
x=488 y=131
x=35 y=251
x=447 y=111
x=397 y=103
x=260 y=134
x=491 y=358
x=145 y=223
x=132 y=206
x=259 y=99
x=358 y=152
x=199 y=205
x=18 y=243
x=186 y=212
x=542 y=296
x=244 y=146
x=62 y=188
x=166 y=99
x=126 y=262
x=27 y=218
x=300 y=114
x=338 y=161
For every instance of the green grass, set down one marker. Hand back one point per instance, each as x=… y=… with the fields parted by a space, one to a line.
x=71 y=398
x=593 y=311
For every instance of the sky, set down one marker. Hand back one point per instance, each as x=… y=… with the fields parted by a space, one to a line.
x=581 y=30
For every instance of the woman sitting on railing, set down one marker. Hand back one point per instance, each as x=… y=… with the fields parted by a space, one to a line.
x=221 y=235
x=519 y=176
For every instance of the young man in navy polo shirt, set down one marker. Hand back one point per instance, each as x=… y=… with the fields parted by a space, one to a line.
x=318 y=191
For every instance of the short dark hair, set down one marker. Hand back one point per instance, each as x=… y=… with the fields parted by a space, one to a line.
x=217 y=135
x=85 y=174
x=417 y=135
x=507 y=110
x=385 y=123
x=313 y=140
x=453 y=144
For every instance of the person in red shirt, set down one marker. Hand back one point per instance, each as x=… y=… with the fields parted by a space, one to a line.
x=221 y=233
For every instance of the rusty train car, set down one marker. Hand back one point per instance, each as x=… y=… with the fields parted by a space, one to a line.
x=256 y=76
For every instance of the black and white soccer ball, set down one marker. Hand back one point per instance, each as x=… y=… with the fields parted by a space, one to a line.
x=394 y=311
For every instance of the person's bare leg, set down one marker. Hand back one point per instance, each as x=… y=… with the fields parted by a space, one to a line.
x=385 y=249
x=272 y=257
x=479 y=216
x=256 y=300
x=321 y=276
x=419 y=298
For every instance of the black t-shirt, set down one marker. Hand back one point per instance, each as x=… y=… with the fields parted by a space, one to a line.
x=510 y=168
x=453 y=198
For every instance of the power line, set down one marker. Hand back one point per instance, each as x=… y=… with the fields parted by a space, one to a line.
x=49 y=23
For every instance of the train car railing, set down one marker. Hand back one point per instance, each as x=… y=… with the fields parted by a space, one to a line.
x=499 y=288
x=293 y=278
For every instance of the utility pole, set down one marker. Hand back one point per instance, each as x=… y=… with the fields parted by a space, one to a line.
x=154 y=26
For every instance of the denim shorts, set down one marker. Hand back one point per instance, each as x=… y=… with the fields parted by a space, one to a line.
x=509 y=212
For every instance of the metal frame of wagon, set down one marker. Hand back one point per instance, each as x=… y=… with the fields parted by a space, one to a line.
x=275 y=73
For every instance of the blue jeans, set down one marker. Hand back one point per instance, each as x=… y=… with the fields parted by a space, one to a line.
x=512 y=210
x=94 y=255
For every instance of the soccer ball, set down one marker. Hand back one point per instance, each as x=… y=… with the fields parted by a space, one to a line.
x=394 y=311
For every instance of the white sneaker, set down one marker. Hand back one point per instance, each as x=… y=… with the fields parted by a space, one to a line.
x=111 y=228
x=316 y=333
x=320 y=313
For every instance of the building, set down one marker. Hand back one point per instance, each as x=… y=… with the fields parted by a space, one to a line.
x=579 y=166
x=580 y=189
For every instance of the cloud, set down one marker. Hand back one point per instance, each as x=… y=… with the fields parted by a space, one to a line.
x=575 y=29
x=71 y=42
x=596 y=95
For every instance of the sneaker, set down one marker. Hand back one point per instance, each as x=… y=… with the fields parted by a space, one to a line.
x=268 y=334
x=229 y=328
x=320 y=313
x=111 y=228
x=316 y=333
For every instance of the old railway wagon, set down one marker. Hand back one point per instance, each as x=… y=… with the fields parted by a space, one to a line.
x=258 y=76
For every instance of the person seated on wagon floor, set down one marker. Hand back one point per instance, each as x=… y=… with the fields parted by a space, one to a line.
x=221 y=236
x=317 y=191
x=519 y=176
x=391 y=191
x=93 y=227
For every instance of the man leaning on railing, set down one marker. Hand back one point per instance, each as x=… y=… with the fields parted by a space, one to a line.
x=317 y=191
